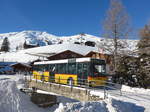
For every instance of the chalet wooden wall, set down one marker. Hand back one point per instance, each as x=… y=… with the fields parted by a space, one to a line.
x=65 y=55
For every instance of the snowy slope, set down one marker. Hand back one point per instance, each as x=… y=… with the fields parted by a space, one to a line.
x=17 y=39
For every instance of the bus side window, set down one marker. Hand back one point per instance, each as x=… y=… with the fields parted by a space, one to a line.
x=72 y=68
x=79 y=70
x=85 y=70
x=53 y=69
x=38 y=67
x=64 y=66
x=46 y=67
x=35 y=68
x=42 y=67
x=61 y=68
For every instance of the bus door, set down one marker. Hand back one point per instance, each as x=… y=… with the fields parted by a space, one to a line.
x=52 y=69
x=82 y=71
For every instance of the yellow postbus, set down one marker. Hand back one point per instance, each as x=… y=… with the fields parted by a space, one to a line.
x=76 y=71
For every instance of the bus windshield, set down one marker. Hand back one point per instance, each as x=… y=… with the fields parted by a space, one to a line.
x=99 y=68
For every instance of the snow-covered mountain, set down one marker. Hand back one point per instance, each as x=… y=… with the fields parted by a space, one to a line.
x=45 y=41
x=17 y=39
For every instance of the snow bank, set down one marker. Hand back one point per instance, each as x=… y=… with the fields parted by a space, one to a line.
x=122 y=106
x=135 y=90
x=12 y=100
x=82 y=107
x=97 y=93
x=109 y=105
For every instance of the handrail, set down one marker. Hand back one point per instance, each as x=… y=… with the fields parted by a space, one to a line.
x=84 y=83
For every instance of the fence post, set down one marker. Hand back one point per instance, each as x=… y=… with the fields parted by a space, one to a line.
x=104 y=92
x=43 y=78
x=30 y=77
x=36 y=78
x=59 y=82
x=71 y=87
x=120 y=92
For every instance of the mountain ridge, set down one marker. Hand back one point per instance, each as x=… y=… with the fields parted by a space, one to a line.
x=17 y=39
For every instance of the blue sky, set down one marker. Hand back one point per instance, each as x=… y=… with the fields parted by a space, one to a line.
x=65 y=17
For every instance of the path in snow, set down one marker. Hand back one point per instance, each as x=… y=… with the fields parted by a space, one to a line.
x=12 y=100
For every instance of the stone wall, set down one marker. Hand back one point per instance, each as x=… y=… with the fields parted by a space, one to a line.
x=80 y=94
x=43 y=100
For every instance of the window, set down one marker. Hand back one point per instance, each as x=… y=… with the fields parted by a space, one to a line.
x=38 y=68
x=61 y=68
x=72 y=68
x=52 y=68
x=79 y=70
x=46 y=67
x=83 y=70
x=99 y=68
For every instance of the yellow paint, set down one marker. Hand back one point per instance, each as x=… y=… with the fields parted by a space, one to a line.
x=63 y=78
x=59 y=78
x=97 y=81
x=46 y=76
x=36 y=75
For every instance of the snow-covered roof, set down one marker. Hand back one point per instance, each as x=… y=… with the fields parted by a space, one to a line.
x=58 y=48
x=32 y=54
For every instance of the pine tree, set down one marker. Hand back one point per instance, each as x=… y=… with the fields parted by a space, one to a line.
x=25 y=45
x=128 y=71
x=5 y=45
x=144 y=55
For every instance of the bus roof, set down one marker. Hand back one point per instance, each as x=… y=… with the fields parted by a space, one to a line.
x=64 y=61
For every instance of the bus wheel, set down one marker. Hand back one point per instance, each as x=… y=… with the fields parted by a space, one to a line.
x=42 y=78
x=90 y=84
x=70 y=81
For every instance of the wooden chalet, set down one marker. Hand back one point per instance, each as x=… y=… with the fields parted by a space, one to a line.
x=71 y=54
x=21 y=67
x=65 y=55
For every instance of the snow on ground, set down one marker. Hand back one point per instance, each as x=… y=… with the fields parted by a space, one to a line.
x=108 y=105
x=12 y=100
x=135 y=90
x=132 y=96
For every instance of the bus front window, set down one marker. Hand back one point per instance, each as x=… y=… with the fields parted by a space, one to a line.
x=99 y=68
